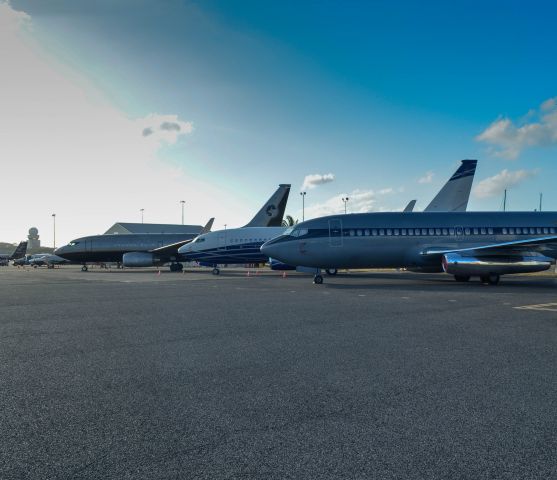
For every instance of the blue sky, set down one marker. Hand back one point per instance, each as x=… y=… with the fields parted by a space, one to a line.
x=380 y=94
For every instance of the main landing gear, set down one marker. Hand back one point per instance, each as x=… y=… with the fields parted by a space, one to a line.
x=216 y=271
x=176 y=267
x=318 y=279
x=491 y=279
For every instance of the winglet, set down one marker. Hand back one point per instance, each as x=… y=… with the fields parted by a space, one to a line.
x=272 y=213
x=454 y=195
x=410 y=206
x=208 y=226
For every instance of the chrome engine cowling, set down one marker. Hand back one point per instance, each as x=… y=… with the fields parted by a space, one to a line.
x=456 y=264
x=140 y=259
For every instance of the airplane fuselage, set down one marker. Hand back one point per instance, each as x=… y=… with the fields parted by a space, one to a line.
x=111 y=248
x=397 y=240
x=232 y=246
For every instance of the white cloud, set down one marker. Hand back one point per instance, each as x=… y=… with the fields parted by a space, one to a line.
x=427 y=178
x=359 y=201
x=313 y=180
x=508 y=139
x=505 y=179
x=66 y=150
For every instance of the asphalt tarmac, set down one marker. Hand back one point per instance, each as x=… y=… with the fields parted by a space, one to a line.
x=132 y=374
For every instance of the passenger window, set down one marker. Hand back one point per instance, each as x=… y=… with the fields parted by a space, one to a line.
x=374 y=231
x=366 y=232
x=490 y=231
x=381 y=231
x=451 y=231
x=359 y=233
x=518 y=231
x=352 y=233
x=532 y=231
x=389 y=231
x=424 y=231
x=476 y=231
x=431 y=231
x=511 y=230
x=445 y=232
x=504 y=231
x=466 y=231
x=410 y=231
x=396 y=231
x=483 y=231
x=545 y=230
x=403 y=231
x=552 y=230
x=538 y=230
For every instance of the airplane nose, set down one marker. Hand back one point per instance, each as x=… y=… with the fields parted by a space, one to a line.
x=269 y=249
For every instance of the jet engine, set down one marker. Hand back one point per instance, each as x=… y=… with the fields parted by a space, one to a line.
x=140 y=259
x=460 y=265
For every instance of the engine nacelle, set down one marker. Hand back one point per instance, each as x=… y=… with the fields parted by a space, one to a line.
x=456 y=264
x=140 y=259
x=278 y=265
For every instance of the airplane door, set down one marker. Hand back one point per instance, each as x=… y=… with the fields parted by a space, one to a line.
x=222 y=241
x=335 y=233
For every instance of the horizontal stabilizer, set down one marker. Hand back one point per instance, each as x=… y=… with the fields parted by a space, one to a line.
x=272 y=213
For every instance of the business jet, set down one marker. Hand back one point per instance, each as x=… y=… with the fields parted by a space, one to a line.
x=464 y=244
x=243 y=245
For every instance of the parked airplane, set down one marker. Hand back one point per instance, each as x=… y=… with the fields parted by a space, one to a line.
x=45 y=259
x=19 y=252
x=463 y=244
x=242 y=245
x=146 y=250
x=131 y=250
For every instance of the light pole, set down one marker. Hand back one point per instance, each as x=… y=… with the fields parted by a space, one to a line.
x=345 y=201
x=141 y=210
x=183 y=202
x=303 y=194
x=54 y=227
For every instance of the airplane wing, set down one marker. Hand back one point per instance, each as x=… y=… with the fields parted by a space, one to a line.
x=517 y=246
x=172 y=248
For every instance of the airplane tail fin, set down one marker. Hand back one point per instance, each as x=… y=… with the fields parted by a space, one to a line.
x=272 y=213
x=410 y=206
x=20 y=251
x=454 y=195
x=208 y=226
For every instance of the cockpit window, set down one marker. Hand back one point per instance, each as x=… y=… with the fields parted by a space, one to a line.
x=73 y=244
x=296 y=231
x=288 y=231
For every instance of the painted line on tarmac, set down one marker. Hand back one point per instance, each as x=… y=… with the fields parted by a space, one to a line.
x=548 y=307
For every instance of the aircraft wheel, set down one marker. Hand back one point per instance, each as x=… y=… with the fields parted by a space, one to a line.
x=318 y=279
x=34 y=266
x=84 y=268
x=216 y=271
x=179 y=267
x=462 y=278
x=331 y=271
x=493 y=278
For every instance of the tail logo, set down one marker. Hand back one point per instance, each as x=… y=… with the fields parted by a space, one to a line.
x=270 y=209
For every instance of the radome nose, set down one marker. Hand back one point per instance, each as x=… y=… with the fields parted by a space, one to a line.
x=269 y=249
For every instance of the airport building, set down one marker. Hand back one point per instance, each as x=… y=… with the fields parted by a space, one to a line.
x=123 y=228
